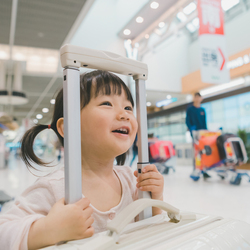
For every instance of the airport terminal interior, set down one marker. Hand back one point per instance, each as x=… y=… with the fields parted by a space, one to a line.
x=197 y=92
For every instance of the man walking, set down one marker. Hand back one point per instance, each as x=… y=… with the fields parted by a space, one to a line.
x=196 y=120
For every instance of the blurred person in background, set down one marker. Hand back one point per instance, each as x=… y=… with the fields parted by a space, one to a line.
x=196 y=120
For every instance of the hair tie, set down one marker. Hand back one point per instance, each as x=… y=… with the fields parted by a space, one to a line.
x=49 y=126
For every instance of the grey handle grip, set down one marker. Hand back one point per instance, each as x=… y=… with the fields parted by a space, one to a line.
x=132 y=210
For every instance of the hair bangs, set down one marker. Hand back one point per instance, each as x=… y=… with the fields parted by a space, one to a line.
x=102 y=83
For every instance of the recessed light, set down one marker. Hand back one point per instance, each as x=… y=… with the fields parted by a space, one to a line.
x=126 y=32
x=189 y=8
x=161 y=24
x=52 y=101
x=129 y=41
x=181 y=16
x=39 y=116
x=35 y=121
x=139 y=19
x=45 y=110
x=154 y=5
x=149 y=104
x=168 y=96
x=147 y=36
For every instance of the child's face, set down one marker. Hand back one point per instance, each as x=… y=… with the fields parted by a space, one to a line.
x=108 y=126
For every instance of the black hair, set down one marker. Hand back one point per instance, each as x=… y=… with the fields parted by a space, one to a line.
x=104 y=83
x=197 y=94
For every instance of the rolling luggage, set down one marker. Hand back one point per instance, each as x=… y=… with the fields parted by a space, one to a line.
x=171 y=230
x=231 y=148
x=161 y=150
x=209 y=150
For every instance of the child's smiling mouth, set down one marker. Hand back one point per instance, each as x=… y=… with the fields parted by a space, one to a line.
x=122 y=130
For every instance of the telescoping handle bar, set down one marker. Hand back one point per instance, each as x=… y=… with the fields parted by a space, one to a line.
x=73 y=58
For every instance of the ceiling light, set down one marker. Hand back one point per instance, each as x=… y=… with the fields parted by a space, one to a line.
x=129 y=41
x=39 y=116
x=147 y=36
x=154 y=5
x=19 y=57
x=196 y=22
x=35 y=121
x=139 y=19
x=45 y=110
x=191 y=27
x=161 y=24
x=228 y=4
x=220 y=87
x=51 y=59
x=149 y=104
x=126 y=32
x=181 y=16
x=3 y=55
x=35 y=58
x=168 y=96
x=52 y=101
x=190 y=8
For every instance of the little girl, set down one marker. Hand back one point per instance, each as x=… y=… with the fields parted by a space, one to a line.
x=39 y=216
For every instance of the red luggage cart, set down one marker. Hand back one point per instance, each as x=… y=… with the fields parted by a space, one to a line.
x=162 y=154
x=220 y=152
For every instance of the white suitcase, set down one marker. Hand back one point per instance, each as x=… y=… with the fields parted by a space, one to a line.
x=171 y=230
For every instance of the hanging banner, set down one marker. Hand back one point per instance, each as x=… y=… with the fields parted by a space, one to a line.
x=213 y=54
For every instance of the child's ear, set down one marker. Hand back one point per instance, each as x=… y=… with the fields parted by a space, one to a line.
x=60 y=126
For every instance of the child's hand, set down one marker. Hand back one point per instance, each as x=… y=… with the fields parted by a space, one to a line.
x=70 y=222
x=151 y=180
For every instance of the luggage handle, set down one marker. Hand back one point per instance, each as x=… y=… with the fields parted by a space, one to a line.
x=117 y=225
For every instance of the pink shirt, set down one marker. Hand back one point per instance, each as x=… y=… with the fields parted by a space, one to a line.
x=37 y=200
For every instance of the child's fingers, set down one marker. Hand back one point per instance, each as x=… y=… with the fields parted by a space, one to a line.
x=136 y=173
x=149 y=175
x=149 y=182
x=89 y=232
x=87 y=212
x=83 y=203
x=150 y=188
x=150 y=167
x=89 y=222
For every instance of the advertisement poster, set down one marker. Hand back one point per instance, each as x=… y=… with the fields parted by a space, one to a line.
x=213 y=56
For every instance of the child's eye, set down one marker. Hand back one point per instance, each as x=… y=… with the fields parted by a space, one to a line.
x=106 y=103
x=129 y=108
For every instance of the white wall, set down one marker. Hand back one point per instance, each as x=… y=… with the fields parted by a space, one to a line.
x=167 y=64
x=103 y=22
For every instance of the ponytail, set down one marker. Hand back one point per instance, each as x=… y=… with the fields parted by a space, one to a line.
x=27 y=152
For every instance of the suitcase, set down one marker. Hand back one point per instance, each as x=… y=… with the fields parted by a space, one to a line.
x=171 y=230
x=161 y=150
x=231 y=148
x=209 y=151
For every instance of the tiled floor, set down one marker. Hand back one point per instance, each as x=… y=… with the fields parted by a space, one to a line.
x=213 y=196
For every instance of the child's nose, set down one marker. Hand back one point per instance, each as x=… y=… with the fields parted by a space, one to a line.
x=123 y=115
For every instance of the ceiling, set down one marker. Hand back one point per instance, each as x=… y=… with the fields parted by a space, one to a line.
x=39 y=24
x=47 y=24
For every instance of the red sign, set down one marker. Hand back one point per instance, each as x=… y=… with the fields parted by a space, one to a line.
x=211 y=17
